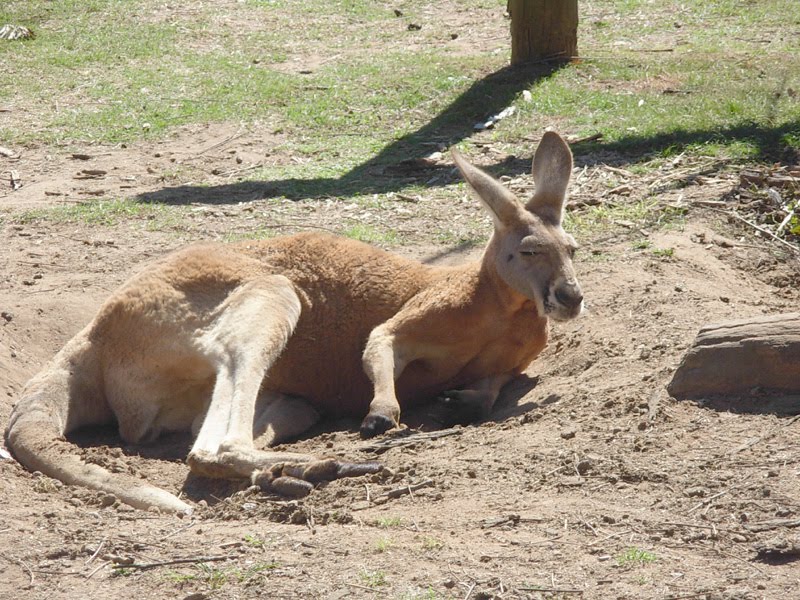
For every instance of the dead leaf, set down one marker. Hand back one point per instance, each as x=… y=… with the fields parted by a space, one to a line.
x=16 y=32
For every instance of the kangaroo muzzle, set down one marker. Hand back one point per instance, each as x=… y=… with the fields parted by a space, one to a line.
x=566 y=300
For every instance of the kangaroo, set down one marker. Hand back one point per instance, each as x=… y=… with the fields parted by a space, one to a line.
x=237 y=341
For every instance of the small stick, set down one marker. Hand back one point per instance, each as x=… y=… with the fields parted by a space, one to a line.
x=177 y=531
x=369 y=496
x=397 y=492
x=608 y=537
x=175 y=561
x=551 y=590
x=758 y=228
x=701 y=527
x=785 y=222
x=96 y=552
x=360 y=587
x=410 y=492
x=469 y=591
x=708 y=500
x=747 y=562
x=766 y=436
x=100 y=566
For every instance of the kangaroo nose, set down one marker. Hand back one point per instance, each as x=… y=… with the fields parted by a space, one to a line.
x=569 y=294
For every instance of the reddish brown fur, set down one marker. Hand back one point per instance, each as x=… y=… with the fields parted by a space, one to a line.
x=233 y=340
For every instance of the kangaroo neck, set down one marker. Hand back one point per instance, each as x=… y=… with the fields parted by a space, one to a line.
x=495 y=287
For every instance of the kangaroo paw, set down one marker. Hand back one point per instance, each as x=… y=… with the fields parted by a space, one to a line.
x=376 y=424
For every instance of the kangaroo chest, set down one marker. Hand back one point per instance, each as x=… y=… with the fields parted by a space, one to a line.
x=469 y=354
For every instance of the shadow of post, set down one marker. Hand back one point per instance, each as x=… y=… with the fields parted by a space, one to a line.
x=397 y=165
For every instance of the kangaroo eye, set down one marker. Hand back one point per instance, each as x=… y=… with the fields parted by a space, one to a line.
x=527 y=252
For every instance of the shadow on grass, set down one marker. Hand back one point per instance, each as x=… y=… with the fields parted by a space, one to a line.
x=395 y=167
x=779 y=143
x=399 y=164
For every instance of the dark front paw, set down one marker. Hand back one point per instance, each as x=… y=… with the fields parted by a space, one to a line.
x=464 y=406
x=373 y=425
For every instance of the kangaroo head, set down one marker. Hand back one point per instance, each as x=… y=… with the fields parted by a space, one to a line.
x=529 y=250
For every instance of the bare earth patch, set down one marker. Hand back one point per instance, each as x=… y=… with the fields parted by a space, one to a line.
x=588 y=482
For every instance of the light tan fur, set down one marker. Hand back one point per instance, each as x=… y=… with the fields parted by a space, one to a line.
x=261 y=338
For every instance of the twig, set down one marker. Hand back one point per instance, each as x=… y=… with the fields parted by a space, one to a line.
x=766 y=232
x=469 y=591
x=397 y=492
x=28 y=569
x=96 y=552
x=411 y=438
x=785 y=222
x=21 y=563
x=360 y=587
x=175 y=561
x=100 y=566
x=550 y=590
x=177 y=531
x=608 y=537
x=588 y=138
x=747 y=562
x=708 y=500
x=774 y=524
x=230 y=138
x=712 y=528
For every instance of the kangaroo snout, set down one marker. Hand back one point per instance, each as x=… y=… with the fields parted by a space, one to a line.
x=569 y=297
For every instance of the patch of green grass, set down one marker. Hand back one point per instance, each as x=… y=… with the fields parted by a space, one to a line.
x=389 y=522
x=623 y=216
x=427 y=594
x=635 y=557
x=102 y=212
x=216 y=577
x=253 y=541
x=373 y=579
x=665 y=253
x=383 y=544
x=432 y=543
x=371 y=235
x=350 y=90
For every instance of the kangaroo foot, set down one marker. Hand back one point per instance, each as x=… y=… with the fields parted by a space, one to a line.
x=298 y=479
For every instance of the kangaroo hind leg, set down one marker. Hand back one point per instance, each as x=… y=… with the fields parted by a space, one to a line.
x=248 y=335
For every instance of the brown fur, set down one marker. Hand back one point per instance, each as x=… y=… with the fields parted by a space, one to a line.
x=260 y=338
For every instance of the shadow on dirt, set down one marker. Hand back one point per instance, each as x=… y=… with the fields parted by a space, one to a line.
x=102 y=445
x=781 y=404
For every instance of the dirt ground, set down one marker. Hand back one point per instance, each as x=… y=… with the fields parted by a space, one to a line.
x=589 y=481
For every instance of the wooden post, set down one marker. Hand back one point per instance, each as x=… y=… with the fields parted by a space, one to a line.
x=543 y=30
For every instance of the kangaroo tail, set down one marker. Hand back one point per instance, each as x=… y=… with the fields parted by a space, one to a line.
x=35 y=436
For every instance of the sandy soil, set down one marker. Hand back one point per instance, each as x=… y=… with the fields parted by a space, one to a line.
x=589 y=481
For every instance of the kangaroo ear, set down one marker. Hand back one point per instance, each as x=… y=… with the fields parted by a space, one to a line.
x=552 y=167
x=504 y=207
